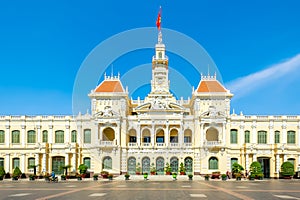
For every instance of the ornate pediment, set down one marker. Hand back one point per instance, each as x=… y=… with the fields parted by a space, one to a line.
x=159 y=103
x=213 y=113
x=106 y=113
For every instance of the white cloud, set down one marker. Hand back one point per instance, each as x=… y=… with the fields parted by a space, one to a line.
x=246 y=84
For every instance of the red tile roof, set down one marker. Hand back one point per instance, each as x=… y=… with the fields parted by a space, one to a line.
x=210 y=86
x=110 y=86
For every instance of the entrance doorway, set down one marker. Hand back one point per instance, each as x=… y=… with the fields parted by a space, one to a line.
x=265 y=166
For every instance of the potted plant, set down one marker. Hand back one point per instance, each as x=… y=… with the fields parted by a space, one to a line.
x=65 y=168
x=95 y=177
x=31 y=177
x=110 y=176
x=79 y=177
x=287 y=170
x=145 y=176
x=16 y=173
x=2 y=173
x=153 y=169
x=206 y=177
x=224 y=177
x=182 y=169
x=126 y=176
x=260 y=176
x=34 y=168
x=138 y=169
x=168 y=169
x=190 y=177
x=238 y=176
x=104 y=174
x=255 y=168
x=251 y=177
x=237 y=169
x=174 y=175
x=82 y=169
x=63 y=177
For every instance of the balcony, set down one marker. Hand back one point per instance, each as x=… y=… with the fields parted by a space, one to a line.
x=160 y=144
x=132 y=144
x=212 y=143
x=146 y=144
x=174 y=144
x=187 y=144
x=107 y=143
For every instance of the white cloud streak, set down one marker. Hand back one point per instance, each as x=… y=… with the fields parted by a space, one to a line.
x=244 y=85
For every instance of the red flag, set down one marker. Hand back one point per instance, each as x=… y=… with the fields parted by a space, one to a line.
x=158 y=21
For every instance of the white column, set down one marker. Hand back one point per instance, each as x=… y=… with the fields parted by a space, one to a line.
x=66 y=159
x=50 y=137
x=284 y=133
x=74 y=162
x=7 y=136
x=152 y=135
x=167 y=135
x=201 y=134
x=272 y=136
x=44 y=167
x=224 y=134
x=138 y=136
x=22 y=162
x=67 y=134
x=284 y=157
x=254 y=134
x=241 y=135
x=37 y=159
x=298 y=169
x=277 y=163
x=23 y=135
x=254 y=157
x=247 y=161
x=39 y=134
x=7 y=162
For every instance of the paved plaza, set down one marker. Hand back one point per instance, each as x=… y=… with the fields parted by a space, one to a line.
x=156 y=187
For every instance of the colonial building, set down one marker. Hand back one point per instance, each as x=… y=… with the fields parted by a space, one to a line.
x=122 y=134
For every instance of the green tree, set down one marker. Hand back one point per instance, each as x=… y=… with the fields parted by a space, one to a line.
x=237 y=168
x=17 y=172
x=2 y=172
x=255 y=168
x=82 y=168
x=287 y=169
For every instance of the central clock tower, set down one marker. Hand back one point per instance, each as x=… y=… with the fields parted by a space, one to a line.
x=160 y=82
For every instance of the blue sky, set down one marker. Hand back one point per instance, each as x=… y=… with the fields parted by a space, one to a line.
x=255 y=45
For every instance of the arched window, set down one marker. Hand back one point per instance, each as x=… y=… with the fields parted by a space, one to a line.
x=277 y=137
x=291 y=137
x=233 y=160
x=187 y=136
x=212 y=134
x=146 y=136
x=160 y=165
x=131 y=165
x=15 y=139
x=87 y=135
x=174 y=136
x=1 y=162
x=2 y=136
x=213 y=163
x=57 y=163
x=45 y=136
x=146 y=165
x=233 y=136
x=174 y=164
x=262 y=137
x=59 y=136
x=74 y=136
x=160 y=136
x=108 y=134
x=16 y=162
x=159 y=55
x=87 y=162
x=247 y=136
x=188 y=164
x=107 y=163
x=31 y=162
x=31 y=136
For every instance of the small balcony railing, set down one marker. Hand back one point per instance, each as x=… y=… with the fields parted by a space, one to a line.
x=212 y=143
x=187 y=144
x=146 y=144
x=160 y=144
x=107 y=143
x=174 y=144
x=132 y=144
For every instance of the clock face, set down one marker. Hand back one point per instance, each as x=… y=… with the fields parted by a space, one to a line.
x=159 y=80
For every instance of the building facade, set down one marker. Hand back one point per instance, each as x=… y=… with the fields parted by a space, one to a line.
x=122 y=134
